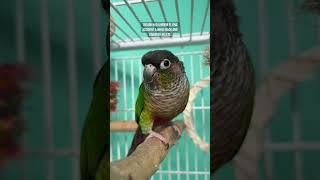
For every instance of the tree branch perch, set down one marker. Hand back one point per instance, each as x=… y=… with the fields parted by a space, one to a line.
x=145 y=160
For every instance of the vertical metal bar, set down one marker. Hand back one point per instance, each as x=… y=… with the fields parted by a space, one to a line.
x=263 y=44
x=191 y=18
x=117 y=135
x=20 y=47
x=116 y=79
x=194 y=113
x=185 y=137
x=124 y=79
x=205 y=17
x=47 y=102
x=203 y=113
x=132 y=89
x=162 y=10
x=118 y=146
x=96 y=36
x=169 y=166
x=20 y=39
x=294 y=100
x=178 y=161
x=140 y=73
x=318 y=29
x=160 y=173
x=73 y=90
x=196 y=158
x=125 y=20
x=178 y=15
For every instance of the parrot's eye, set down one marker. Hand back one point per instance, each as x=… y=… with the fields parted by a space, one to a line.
x=165 y=64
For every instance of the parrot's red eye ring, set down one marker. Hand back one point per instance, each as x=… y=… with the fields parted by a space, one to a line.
x=165 y=64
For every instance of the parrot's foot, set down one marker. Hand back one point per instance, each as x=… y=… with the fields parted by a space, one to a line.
x=158 y=136
x=177 y=130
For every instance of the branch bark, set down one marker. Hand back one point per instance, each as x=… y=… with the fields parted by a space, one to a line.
x=145 y=160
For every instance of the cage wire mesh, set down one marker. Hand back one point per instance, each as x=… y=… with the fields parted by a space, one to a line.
x=185 y=160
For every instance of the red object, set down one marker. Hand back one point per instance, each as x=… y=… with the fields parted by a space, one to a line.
x=114 y=88
x=11 y=96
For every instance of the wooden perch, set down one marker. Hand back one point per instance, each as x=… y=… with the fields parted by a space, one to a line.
x=146 y=159
x=123 y=126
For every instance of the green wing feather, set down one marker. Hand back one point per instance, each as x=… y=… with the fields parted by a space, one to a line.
x=143 y=116
x=94 y=140
x=139 y=103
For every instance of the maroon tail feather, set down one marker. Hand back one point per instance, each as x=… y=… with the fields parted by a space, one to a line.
x=137 y=139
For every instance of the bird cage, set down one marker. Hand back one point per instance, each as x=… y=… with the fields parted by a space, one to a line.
x=186 y=160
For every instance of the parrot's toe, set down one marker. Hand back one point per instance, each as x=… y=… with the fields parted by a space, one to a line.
x=177 y=129
x=158 y=136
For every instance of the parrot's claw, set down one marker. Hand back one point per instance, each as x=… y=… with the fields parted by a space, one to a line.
x=177 y=130
x=158 y=136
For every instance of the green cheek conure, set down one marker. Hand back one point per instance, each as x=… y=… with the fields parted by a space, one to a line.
x=163 y=94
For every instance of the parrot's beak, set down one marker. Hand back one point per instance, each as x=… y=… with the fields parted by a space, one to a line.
x=149 y=71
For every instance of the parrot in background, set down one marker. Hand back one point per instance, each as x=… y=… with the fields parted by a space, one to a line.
x=163 y=95
x=95 y=136
x=232 y=85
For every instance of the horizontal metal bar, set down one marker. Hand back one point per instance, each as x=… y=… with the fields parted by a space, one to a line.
x=139 y=57
x=132 y=2
x=162 y=42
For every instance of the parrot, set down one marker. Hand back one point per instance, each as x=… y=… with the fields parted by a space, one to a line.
x=163 y=94
x=232 y=85
x=95 y=136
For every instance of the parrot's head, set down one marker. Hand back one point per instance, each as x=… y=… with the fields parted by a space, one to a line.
x=161 y=67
